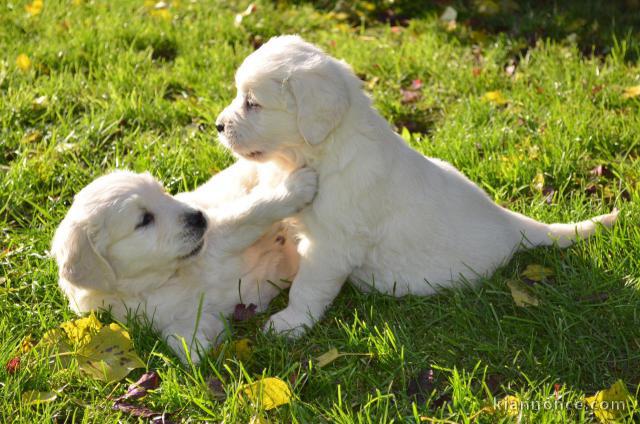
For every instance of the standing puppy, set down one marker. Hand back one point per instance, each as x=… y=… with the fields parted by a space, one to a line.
x=385 y=215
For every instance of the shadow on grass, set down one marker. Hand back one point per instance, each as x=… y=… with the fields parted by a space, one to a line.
x=596 y=26
x=582 y=336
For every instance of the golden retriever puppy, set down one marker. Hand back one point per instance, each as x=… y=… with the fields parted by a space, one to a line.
x=128 y=246
x=385 y=215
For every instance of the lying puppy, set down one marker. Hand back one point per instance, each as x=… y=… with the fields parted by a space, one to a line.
x=385 y=215
x=127 y=245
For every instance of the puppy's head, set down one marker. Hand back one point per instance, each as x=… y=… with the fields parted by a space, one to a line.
x=290 y=94
x=122 y=226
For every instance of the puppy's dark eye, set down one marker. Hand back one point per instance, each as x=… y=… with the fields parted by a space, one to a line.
x=147 y=219
x=251 y=103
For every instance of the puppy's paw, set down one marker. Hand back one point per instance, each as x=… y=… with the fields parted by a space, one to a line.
x=287 y=323
x=301 y=186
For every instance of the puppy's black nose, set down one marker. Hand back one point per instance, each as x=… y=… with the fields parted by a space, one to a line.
x=220 y=127
x=195 y=219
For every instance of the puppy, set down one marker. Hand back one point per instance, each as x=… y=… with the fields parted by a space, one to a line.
x=185 y=261
x=385 y=215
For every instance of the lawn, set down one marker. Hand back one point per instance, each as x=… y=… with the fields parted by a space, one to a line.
x=534 y=103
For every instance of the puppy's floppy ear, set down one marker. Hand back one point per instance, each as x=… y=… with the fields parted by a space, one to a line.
x=78 y=260
x=322 y=99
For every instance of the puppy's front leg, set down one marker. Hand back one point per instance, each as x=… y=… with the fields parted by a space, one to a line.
x=241 y=223
x=323 y=270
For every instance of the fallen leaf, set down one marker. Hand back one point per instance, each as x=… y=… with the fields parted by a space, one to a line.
x=216 y=388
x=13 y=365
x=631 y=92
x=270 y=392
x=243 y=312
x=416 y=84
x=148 y=381
x=109 y=356
x=538 y=182
x=521 y=294
x=26 y=344
x=421 y=386
x=80 y=331
x=476 y=71
x=136 y=410
x=56 y=339
x=548 y=193
x=34 y=397
x=493 y=383
x=537 y=273
x=23 y=62
x=164 y=14
x=34 y=8
x=601 y=171
x=610 y=404
x=495 y=97
x=327 y=357
x=409 y=95
x=242 y=349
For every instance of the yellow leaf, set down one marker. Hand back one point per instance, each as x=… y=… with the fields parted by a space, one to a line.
x=610 y=404
x=34 y=397
x=269 y=392
x=23 y=62
x=56 y=339
x=631 y=92
x=327 y=357
x=536 y=272
x=161 y=13
x=34 y=8
x=521 y=294
x=80 y=331
x=109 y=356
x=26 y=344
x=538 y=182
x=495 y=97
x=242 y=349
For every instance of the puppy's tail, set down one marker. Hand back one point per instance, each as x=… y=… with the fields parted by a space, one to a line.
x=564 y=235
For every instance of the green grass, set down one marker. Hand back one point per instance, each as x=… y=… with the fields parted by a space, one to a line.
x=127 y=89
